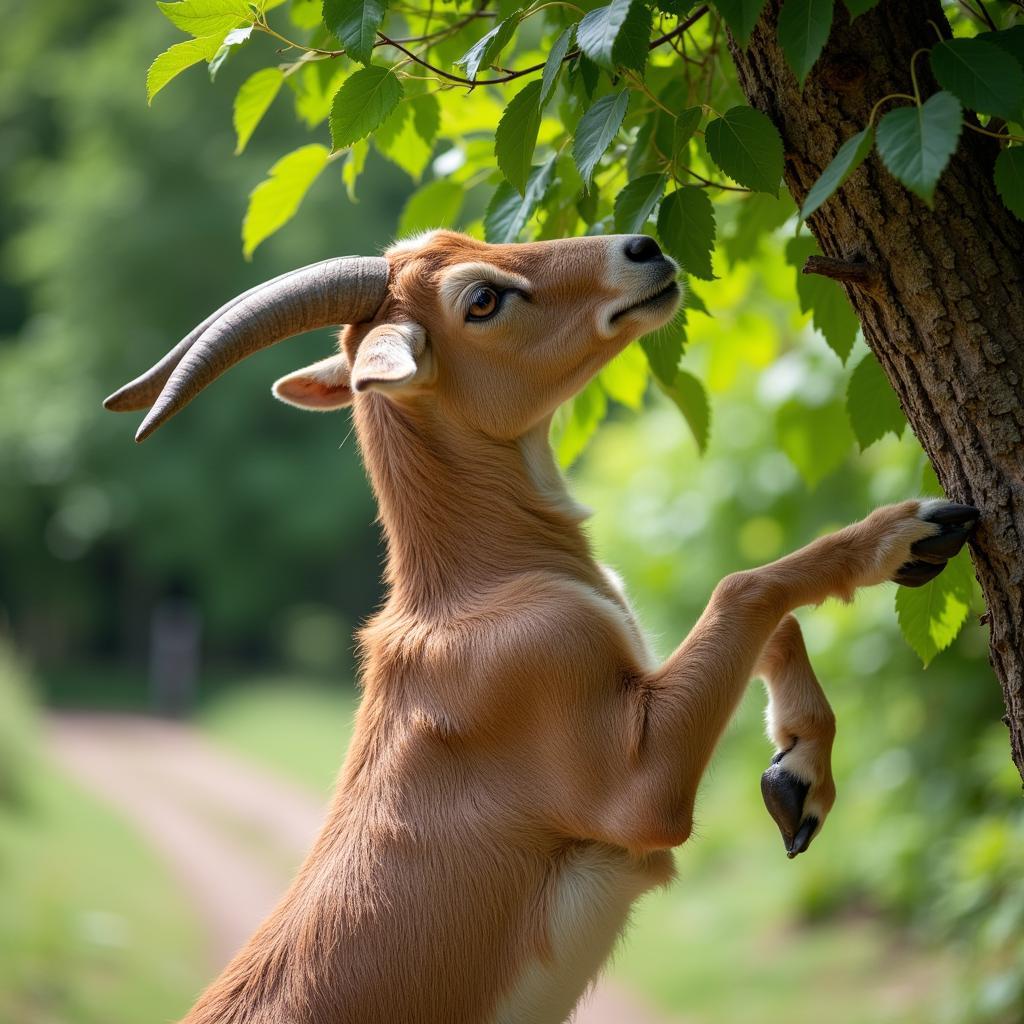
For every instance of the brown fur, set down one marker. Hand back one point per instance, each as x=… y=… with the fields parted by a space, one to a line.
x=512 y=726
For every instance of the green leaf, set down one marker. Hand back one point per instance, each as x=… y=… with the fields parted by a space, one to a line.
x=1010 y=40
x=553 y=65
x=692 y=401
x=816 y=438
x=741 y=16
x=981 y=75
x=354 y=164
x=686 y=227
x=597 y=33
x=859 y=7
x=625 y=377
x=804 y=26
x=596 y=130
x=485 y=50
x=850 y=156
x=632 y=45
x=178 y=58
x=745 y=144
x=435 y=205
x=361 y=104
x=685 y=125
x=516 y=136
x=915 y=143
x=575 y=422
x=273 y=202
x=426 y=117
x=633 y=205
x=931 y=616
x=664 y=347
x=207 y=17
x=508 y=211
x=253 y=101
x=871 y=403
x=1010 y=179
x=355 y=23
x=759 y=216
x=824 y=298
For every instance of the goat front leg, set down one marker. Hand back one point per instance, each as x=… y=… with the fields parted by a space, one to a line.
x=686 y=704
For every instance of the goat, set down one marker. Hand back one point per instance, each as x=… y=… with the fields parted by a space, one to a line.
x=522 y=765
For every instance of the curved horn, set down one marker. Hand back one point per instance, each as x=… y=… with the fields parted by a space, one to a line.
x=142 y=392
x=343 y=290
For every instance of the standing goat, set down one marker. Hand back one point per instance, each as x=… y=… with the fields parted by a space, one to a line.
x=522 y=765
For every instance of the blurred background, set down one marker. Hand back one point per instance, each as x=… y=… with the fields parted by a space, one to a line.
x=176 y=669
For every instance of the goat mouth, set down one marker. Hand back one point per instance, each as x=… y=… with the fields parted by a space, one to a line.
x=658 y=298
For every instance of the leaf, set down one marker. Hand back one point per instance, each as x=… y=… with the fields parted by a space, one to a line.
x=253 y=101
x=633 y=205
x=931 y=616
x=596 y=130
x=815 y=438
x=625 y=377
x=981 y=75
x=485 y=50
x=664 y=347
x=850 y=156
x=804 y=26
x=741 y=17
x=272 y=203
x=575 y=422
x=354 y=164
x=692 y=401
x=1011 y=40
x=685 y=126
x=871 y=403
x=597 y=33
x=859 y=7
x=745 y=144
x=824 y=298
x=508 y=211
x=759 y=216
x=178 y=58
x=516 y=136
x=435 y=205
x=355 y=23
x=361 y=104
x=1009 y=174
x=632 y=45
x=686 y=227
x=553 y=65
x=915 y=143
x=236 y=37
x=426 y=117
x=207 y=17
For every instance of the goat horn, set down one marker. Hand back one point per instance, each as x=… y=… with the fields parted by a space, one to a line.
x=346 y=289
x=142 y=392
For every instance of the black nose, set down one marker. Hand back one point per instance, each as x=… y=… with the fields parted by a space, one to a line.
x=642 y=249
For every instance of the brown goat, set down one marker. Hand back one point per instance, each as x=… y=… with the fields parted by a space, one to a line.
x=521 y=765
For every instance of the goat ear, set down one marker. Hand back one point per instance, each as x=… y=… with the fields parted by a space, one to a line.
x=323 y=386
x=389 y=357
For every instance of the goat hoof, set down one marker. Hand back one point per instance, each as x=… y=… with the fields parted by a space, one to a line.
x=917 y=574
x=784 y=795
x=949 y=513
x=803 y=837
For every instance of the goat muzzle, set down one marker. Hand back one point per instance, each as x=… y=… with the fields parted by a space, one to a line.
x=343 y=290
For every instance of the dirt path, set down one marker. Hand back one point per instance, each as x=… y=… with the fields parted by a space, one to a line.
x=231 y=833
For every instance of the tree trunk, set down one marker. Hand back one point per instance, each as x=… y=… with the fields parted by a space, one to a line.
x=941 y=298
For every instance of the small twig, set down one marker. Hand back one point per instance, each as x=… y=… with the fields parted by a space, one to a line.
x=857 y=272
x=707 y=183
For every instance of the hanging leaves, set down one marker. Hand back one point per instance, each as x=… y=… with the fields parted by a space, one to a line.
x=596 y=129
x=804 y=26
x=871 y=403
x=746 y=145
x=362 y=103
x=850 y=156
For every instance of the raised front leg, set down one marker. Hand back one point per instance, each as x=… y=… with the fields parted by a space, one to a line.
x=686 y=704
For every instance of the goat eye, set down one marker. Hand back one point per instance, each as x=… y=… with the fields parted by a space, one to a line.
x=483 y=304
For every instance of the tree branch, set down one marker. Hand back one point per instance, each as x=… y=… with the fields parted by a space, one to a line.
x=856 y=272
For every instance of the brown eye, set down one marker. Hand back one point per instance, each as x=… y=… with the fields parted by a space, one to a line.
x=483 y=304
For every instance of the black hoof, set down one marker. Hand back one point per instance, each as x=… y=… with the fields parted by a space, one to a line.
x=784 y=795
x=803 y=837
x=955 y=524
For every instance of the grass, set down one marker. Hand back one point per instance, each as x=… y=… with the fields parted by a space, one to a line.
x=91 y=931
x=725 y=943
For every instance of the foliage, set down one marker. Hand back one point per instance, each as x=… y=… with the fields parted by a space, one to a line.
x=658 y=143
x=17 y=731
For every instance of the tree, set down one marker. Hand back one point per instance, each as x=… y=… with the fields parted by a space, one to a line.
x=551 y=119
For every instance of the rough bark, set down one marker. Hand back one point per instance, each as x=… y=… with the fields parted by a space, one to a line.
x=940 y=292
